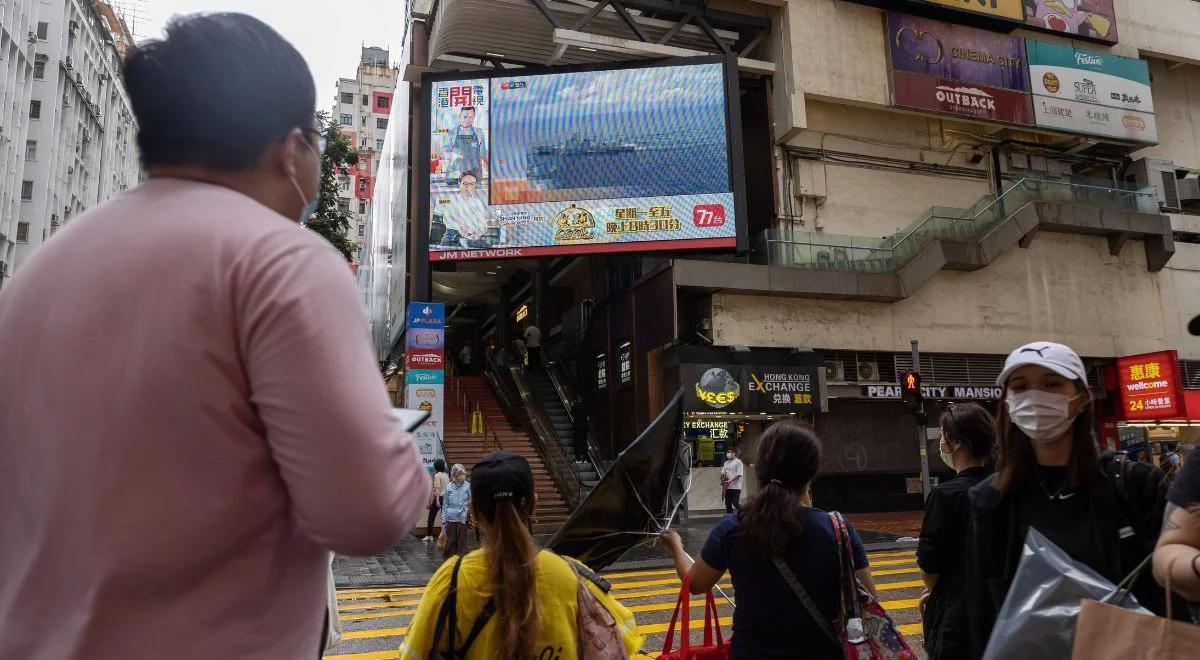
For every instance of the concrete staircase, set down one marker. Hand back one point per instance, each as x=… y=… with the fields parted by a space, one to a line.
x=461 y=446
x=552 y=406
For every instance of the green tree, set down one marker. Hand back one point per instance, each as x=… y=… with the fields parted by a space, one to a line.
x=330 y=220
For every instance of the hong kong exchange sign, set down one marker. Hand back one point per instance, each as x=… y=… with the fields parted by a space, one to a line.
x=745 y=388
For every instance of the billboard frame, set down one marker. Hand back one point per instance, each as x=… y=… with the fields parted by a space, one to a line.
x=733 y=124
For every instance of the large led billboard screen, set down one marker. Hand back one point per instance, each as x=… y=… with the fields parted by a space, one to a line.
x=580 y=161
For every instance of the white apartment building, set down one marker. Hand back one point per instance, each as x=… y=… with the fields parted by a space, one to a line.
x=18 y=43
x=72 y=129
x=362 y=106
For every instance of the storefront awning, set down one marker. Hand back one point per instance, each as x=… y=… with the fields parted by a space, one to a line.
x=544 y=32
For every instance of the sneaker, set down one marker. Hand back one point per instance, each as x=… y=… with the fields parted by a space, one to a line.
x=427 y=538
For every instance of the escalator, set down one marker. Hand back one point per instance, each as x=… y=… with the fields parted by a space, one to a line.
x=551 y=401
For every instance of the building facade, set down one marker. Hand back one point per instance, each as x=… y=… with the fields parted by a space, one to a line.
x=362 y=107
x=971 y=178
x=74 y=133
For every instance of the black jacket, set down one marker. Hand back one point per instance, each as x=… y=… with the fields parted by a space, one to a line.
x=942 y=550
x=997 y=535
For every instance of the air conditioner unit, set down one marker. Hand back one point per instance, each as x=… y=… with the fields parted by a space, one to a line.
x=32 y=37
x=835 y=371
x=868 y=372
x=1159 y=174
x=1189 y=193
x=70 y=63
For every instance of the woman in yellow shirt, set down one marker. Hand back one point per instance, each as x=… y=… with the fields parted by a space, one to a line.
x=511 y=601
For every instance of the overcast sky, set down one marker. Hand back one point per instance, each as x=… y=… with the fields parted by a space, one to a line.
x=328 y=35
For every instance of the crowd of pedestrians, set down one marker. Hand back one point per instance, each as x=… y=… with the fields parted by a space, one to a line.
x=176 y=471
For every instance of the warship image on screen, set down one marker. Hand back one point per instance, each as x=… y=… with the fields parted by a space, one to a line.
x=581 y=162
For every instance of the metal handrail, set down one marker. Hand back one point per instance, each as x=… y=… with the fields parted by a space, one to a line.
x=568 y=396
x=888 y=248
x=562 y=469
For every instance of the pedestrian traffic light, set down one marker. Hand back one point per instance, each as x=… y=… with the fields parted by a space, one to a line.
x=910 y=391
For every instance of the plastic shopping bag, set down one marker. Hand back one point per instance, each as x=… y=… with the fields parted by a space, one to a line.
x=333 y=624
x=1037 y=620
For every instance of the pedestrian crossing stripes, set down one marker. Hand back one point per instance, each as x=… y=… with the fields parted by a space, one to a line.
x=375 y=620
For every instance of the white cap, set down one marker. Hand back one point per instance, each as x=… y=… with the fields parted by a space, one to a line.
x=1055 y=357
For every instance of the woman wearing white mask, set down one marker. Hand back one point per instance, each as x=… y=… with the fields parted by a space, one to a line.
x=1103 y=511
x=968 y=437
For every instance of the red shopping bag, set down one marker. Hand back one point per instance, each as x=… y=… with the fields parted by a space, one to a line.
x=709 y=651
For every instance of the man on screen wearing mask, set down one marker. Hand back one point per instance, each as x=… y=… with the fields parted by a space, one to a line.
x=191 y=414
x=1104 y=512
x=731 y=477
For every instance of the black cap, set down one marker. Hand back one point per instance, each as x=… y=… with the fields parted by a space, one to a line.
x=499 y=476
x=1194 y=326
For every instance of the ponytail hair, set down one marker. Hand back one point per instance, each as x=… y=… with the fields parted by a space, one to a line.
x=789 y=455
x=512 y=562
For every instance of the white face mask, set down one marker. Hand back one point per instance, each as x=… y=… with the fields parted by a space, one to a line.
x=947 y=457
x=1043 y=416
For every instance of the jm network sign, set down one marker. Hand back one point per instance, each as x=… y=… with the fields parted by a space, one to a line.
x=425 y=362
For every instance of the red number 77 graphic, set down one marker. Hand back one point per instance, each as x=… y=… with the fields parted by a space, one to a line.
x=708 y=215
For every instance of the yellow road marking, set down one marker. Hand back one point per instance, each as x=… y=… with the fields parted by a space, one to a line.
x=626 y=586
x=886 y=555
x=375 y=632
x=669 y=606
x=372 y=655
x=633 y=595
x=356 y=594
x=893 y=562
x=899 y=585
x=648 y=573
x=376 y=615
x=663 y=592
x=379 y=605
x=895 y=571
x=654 y=628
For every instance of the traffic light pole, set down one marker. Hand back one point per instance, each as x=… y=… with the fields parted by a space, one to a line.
x=922 y=440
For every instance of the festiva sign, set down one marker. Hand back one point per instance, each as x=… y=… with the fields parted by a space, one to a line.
x=1088 y=92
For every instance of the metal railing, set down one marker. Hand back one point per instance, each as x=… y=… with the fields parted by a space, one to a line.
x=889 y=254
x=466 y=405
x=562 y=385
x=511 y=388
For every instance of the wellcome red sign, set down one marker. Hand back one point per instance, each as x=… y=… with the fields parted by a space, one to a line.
x=1150 y=386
